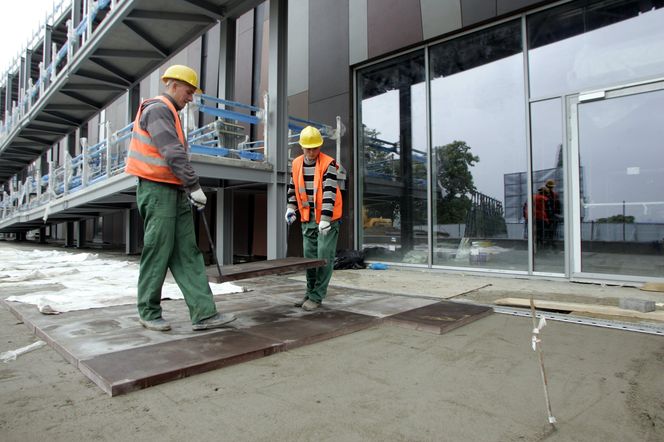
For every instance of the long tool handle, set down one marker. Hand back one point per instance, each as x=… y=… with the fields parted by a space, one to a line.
x=214 y=249
x=538 y=348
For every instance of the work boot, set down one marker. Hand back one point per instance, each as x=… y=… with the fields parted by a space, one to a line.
x=216 y=321
x=310 y=305
x=299 y=303
x=159 y=324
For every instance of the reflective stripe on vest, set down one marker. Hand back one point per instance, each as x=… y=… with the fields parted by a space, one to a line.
x=322 y=163
x=144 y=159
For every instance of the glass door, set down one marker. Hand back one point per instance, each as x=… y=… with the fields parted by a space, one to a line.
x=617 y=165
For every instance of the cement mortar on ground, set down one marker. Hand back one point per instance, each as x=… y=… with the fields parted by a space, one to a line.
x=478 y=382
x=483 y=288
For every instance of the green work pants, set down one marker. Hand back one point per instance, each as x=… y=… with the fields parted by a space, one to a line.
x=322 y=247
x=169 y=242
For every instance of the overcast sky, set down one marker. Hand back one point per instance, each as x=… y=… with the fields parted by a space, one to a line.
x=18 y=21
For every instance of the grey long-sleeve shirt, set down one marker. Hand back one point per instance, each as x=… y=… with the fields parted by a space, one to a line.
x=158 y=121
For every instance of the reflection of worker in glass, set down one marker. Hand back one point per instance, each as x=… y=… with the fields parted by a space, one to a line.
x=554 y=212
x=541 y=210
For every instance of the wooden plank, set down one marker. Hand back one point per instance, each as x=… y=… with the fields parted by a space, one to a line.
x=657 y=315
x=262 y=268
x=653 y=286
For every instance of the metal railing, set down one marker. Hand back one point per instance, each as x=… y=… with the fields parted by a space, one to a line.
x=226 y=136
x=77 y=37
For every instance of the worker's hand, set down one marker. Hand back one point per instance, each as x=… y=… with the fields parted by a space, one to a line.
x=198 y=199
x=290 y=216
x=324 y=227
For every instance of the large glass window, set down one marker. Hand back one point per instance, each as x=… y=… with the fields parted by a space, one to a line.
x=393 y=160
x=621 y=164
x=479 y=145
x=591 y=44
x=548 y=199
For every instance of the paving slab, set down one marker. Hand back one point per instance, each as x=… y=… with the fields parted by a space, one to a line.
x=110 y=347
x=253 y=269
x=440 y=317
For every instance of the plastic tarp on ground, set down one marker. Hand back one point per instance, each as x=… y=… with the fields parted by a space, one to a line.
x=61 y=281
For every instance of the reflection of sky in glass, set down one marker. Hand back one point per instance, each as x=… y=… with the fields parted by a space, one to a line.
x=546 y=133
x=484 y=107
x=625 y=51
x=620 y=143
x=381 y=113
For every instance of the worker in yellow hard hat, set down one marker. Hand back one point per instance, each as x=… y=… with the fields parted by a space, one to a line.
x=314 y=193
x=167 y=184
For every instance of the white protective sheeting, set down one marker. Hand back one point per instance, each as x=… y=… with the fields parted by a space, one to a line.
x=77 y=281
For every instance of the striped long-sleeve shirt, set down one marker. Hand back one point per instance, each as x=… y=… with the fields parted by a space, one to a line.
x=329 y=189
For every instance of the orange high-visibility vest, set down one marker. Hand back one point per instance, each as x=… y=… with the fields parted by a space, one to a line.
x=322 y=163
x=144 y=159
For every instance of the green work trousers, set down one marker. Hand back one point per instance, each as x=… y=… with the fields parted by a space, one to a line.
x=169 y=242
x=322 y=247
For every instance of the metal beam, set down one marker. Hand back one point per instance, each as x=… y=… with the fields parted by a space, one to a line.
x=141 y=14
x=92 y=87
x=101 y=78
x=45 y=129
x=66 y=107
x=113 y=70
x=216 y=10
x=147 y=38
x=277 y=126
x=60 y=117
x=126 y=53
x=36 y=140
x=93 y=104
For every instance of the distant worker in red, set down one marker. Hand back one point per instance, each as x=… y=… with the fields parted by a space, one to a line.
x=167 y=185
x=313 y=192
x=542 y=219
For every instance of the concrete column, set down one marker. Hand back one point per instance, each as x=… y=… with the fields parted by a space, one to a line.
x=8 y=94
x=133 y=101
x=46 y=50
x=277 y=129
x=224 y=226
x=227 y=59
x=69 y=234
x=80 y=233
x=132 y=222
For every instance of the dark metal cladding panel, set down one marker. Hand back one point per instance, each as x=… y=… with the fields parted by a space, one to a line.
x=475 y=11
x=328 y=53
x=392 y=24
x=506 y=6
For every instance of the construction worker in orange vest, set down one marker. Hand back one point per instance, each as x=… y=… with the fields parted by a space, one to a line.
x=313 y=192
x=167 y=186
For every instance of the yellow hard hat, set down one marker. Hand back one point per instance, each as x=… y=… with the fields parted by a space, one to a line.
x=310 y=138
x=182 y=73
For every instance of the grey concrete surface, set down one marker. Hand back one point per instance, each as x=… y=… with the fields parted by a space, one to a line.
x=480 y=382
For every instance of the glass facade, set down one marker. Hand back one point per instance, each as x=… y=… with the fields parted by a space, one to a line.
x=621 y=156
x=465 y=146
x=479 y=143
x=546 y=137
x=393 y=160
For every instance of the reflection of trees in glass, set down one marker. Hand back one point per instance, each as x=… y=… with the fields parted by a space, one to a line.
x=455 y=181
x=618 y=219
